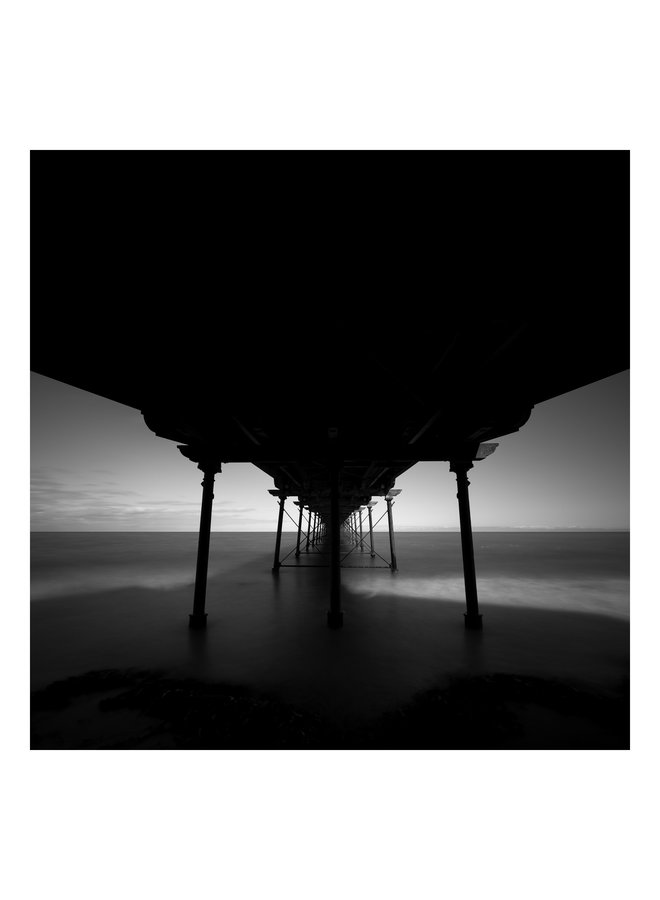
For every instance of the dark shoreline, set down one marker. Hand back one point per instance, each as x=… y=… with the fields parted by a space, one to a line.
x=499 y=711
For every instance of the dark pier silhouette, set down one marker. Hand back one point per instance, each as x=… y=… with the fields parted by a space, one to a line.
x=233 y=307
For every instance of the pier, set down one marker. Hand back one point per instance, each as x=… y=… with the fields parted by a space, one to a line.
x=246 y=326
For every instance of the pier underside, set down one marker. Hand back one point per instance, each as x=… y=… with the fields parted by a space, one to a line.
x=328 y=330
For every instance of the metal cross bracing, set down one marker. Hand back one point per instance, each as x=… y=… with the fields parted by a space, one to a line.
x=356 y=537
x=312 y=539
x=317 y=533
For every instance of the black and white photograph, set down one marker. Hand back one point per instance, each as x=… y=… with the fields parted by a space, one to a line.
x=329 y=401
x=412 y=529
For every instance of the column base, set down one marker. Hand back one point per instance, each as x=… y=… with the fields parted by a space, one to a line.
x=197 y=620
x=335 y=618
x=473 y=621
x=275 y=570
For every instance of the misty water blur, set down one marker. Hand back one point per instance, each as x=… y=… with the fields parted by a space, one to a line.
x=554 y=604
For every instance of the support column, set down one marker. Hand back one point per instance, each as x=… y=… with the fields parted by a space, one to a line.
x=361 y=537
x=390 y=523
x=472 y=616
x=335 y=615
x=278 y=540
x=300 y=518
x=371 y=532
x=309 y=526
x=197 y=619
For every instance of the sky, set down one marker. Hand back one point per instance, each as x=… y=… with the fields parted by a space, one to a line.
x=95 y=466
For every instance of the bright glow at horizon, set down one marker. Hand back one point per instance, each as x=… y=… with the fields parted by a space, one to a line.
x=97 y=467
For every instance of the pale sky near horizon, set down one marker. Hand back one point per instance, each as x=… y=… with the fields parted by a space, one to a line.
x=97 y=467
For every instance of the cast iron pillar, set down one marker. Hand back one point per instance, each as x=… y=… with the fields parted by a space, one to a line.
x=472 y=616
x=390 y=524
x=371 y=532
x=309 y=526
x=300 y=518
x=361 y=535
x=335 y=615
x=278 y=539
x=197 y=619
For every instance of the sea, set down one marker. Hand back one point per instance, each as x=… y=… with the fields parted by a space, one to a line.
x=574 y=571
x=554 y=604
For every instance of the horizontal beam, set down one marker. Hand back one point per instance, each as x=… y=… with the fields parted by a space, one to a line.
x=397 y=454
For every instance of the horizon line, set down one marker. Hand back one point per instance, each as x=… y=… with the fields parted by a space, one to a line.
x=409 y=530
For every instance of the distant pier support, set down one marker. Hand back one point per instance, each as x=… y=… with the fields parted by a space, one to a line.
x=361 y=533
x=371 y=529
x=278 y=540
x=309 y=528
x=335 y=615
x=210 y=467
x=300 y=519
x=473 y=619
x=390 y=522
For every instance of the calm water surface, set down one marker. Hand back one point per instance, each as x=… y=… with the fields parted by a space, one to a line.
x=554 y=604
x=581 y=571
